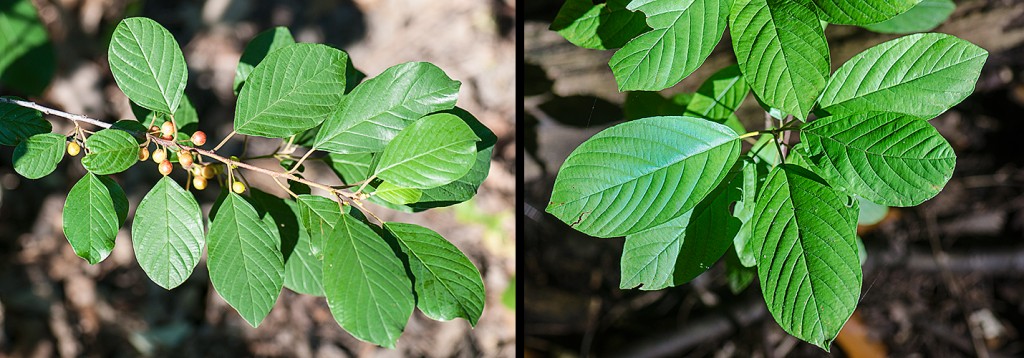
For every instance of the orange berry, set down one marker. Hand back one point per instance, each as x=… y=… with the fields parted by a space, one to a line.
x=143 y=154
x=199 y=183
x=185 y=158
x=159 y=155
x=238 y=187
x=199 y=138
x=74 y=149
x=209 y=172
x=166 y=167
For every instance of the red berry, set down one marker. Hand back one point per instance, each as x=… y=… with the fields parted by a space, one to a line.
x=199 y=138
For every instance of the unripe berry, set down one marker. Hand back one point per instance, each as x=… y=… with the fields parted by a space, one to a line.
x=159 y=155
x=154 y=129
x=74 y=149
x=143 y=154
x=199 y=138
x=167 y=136
x=209 y=172
x=166 y=167
x=167 y=128
x=238 y=187
x=197 y=170
x=185 y=158
x=199 y=183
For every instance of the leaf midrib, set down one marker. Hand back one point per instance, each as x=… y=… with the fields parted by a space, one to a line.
x=444 y=284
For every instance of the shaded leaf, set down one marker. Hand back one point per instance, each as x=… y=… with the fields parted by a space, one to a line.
x=318 y=215
x=581 y=111
x=18 y=123
x=603 y=26
x=924 y=16
x=257 y=49
x=91 y=218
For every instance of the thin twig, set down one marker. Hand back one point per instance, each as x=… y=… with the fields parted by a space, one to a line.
x=171 y=143
x=225 y=140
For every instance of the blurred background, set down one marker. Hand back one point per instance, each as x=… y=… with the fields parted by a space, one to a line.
x=945 y=278
x=53 y=303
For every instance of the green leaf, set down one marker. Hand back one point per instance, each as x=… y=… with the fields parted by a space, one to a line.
x=464 y=188
x=433 y=151
x=641 y=174
x=807 y=265
x=862 y=12
x=317 y=216
x=924 y=16
x=244 y=258
x=258 y=48
x=18 y=123
x=147 y=64
x=739 y=276
x=870 y=213
x=754 y=174
x=185 y=116
x=27 y=56
x=396 y=194
x=367 y=287
x=93 y=212
x=719 y=96
x=376 y=110
x=684 y=34
x=601 y=26
x=303 y=271
x=351 y=168
x=446 y=283
x=921 y=75
x=38 y=156
x=134 y=128
x=110 y=151
x=683 y=248
x=168 y=234
x=643 y=104
x=888 y=158
x=294 y=89
x=782 y=52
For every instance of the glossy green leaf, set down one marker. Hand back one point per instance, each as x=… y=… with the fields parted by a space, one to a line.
x=27 y=56
x=924 y=16
x=376 y=110
x=464 y=188
x=351 y=168
x=720 y=95
x=185 y=116
x=888 y=158
x=303 y=271
x=38 y=156
x=258 y=48
x=93 y=212
x=433 y=151
x=396 y=194
x=167 y=234
x=921 y=75
x=870 y=213
x=641 y=174
x=147 y=64
x=782 y=52
x=293 y=89
x=446 y=283
x=18 y=123
x=601 y=26
x=368 y=290
x=684 y=34
x=676 y=252
x=317 y=216
x=807 y=265
x=862 y=12
x=244 y=258
x=110 y=151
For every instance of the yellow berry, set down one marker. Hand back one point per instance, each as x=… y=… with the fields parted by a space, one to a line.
x=185 y=158
x=197 y=170
x=209 y=172
x=166 y=167
x=74 y=149
x=159 y=155
x=167 y=128
x=199 y=183
x=143 y=154
x=238 y=187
